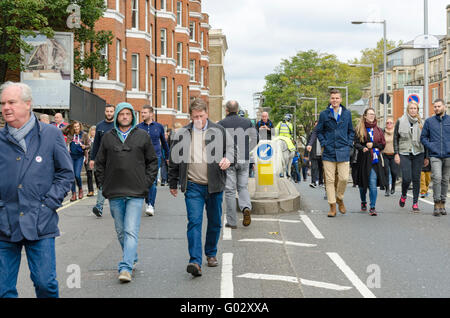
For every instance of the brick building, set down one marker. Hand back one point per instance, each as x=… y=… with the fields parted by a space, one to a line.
x=158 y=56
x=218 y=47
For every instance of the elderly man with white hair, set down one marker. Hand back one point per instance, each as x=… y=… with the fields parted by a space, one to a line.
x=36 y=176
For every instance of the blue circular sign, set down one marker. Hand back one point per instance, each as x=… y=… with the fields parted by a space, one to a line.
x=265 y=152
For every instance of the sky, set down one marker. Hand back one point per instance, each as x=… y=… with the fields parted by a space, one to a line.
x=261 y=33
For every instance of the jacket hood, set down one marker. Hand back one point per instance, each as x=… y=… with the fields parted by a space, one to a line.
x=121 y=107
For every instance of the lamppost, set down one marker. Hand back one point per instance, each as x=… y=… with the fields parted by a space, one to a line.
x=372 y=82
x=346 y=93
x=384 y=64
x=315 y=104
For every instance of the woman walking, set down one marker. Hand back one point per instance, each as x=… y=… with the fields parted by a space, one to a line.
x=78 y=143
x=369 y=141
x=390 y=167
x=89 y=171
x=409 y=152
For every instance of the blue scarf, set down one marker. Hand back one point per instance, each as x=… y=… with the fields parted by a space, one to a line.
x=375 y=151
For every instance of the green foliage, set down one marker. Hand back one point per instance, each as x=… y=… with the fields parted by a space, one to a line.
x=25 y=17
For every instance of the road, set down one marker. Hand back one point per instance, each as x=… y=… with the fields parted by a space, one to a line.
x=303 y=254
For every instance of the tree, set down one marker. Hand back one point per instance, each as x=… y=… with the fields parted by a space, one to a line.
x=25 y=17
x=307 y=74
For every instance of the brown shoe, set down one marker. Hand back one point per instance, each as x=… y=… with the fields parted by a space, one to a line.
x=194 y=269
x=341 y=206
x=90 y=194
x=247 y=218
x=74 y=197
x=442 y=208
x=80 y=194
x=212 y=261
x=332 y=212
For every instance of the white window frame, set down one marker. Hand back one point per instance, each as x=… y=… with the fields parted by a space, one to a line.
x=163 y=5
x=104 y=55
x=180 y=54
x=146 y=16
x=173 y=93
x=202 y=76
x=118 y=5
x=180 y=98
x=118 y=52
x=147 y=64
x=192 y=31
x=179 y=13
x=164 y=92
x=201 y=40
x=135 y=72
x=173 y=44
x=135 y=12
x=163 y=40
x=192 y=70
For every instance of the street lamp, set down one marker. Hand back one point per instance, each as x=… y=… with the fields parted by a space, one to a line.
x=346 y=93
x=372 y=86
x=315 y=104
x=384 y=64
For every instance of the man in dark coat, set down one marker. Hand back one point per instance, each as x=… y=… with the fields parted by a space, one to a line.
x=37 y=174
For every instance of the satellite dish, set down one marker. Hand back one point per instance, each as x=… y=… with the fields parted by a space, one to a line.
x=426 y=41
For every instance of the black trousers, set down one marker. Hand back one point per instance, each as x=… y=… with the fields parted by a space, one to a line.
x=317 y=170
x=390 y=167
x=411 y=168
x=90 y=179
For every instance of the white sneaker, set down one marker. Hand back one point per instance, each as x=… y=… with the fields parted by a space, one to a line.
x=150 y=211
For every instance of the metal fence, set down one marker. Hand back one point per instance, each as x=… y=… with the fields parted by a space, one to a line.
x=85 y=106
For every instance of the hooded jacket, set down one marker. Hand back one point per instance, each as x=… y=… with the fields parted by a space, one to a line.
x=126 y=167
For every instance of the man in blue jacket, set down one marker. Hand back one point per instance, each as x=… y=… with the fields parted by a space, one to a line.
x=335 y=133
x=435 y=137
x=37 y=174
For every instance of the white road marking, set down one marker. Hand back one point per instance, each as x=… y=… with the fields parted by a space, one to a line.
x=226 y=284
x=278 y=242
x=68 y=203
x=360 y=286
x=226 y=230
x=291 y=279
x=274 y=220
x=309 y=224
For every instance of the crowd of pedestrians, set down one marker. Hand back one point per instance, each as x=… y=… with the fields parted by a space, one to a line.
x=124 y=158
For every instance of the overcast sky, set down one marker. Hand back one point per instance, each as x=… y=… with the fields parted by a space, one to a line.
x=260 y=33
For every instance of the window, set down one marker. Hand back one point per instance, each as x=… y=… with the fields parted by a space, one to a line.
x=163 y=42
x=163 y=5
x=135 y=71
x=118 y=5
x=164 y=92
x=135 y=14
x=173 y=45
x=173 y=92
x=192 y=31
x=202 y=76
x=180 y=99
x=434 y=94
x=104 y=56
x=151 y=90
x=146 y=73
x=180 y=54
x=179 y=13
x=201 y=41
x=146 y=15
x=118 y=60
x=192 y=70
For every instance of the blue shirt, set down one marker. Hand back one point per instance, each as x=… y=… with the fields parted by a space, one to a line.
x=156 y=132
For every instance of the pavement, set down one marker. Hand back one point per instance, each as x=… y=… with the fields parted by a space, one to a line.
x=303 y=254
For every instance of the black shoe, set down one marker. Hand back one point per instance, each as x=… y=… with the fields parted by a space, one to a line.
x=312 y=185
x=194 y=269
x=97 y=212
x=387 y=193
x=247 y=217
x=234 y=227
x=393 y=190
x=373 y=212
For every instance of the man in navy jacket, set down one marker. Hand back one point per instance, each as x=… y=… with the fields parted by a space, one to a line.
x=37 y=174
x=335 y=133
x=435 y=137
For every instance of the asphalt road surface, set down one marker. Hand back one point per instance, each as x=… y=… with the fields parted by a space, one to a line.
x=303 y=254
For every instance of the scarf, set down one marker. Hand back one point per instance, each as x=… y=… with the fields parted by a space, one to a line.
x=410 y=126
x=374 y=137
x=19 y=134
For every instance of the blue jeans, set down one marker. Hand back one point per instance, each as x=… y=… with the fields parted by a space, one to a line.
x=373 y=191
x=100 y=200
x=164 y=171
x=127 y=212
x=196 y=198
x=41 y=262
x=77 y=167
x=151 y=198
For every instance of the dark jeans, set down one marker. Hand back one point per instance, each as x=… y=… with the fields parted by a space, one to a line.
x=151 y=198
x=77 y=166
x=411 y=168
x=305 y=172
x=196 y=198
x=90 y=179
x=317 y=171
x=296 y=172
x=390 y=167
x=41 y=262
x=164 y=173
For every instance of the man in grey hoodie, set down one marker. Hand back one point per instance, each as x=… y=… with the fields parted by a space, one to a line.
x=126 y=166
